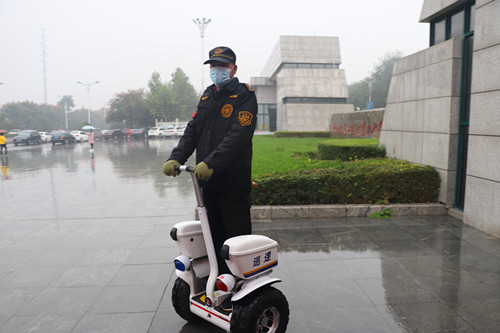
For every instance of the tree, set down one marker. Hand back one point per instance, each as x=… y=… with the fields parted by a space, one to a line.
x=159 y=99
x=66 y=100
x=130 y=107
x=29 y=115
x=186 y=97
x=381 y=81
x=172 y=100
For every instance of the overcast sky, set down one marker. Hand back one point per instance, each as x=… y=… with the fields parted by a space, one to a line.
x=122 y=42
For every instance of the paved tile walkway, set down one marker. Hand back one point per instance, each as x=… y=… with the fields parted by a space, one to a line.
x=85 y=247
x=415 y=274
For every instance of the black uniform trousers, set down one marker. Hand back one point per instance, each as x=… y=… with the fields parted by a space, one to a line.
x=229 y=215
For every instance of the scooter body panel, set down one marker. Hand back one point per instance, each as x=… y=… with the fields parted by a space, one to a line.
x=253 y=285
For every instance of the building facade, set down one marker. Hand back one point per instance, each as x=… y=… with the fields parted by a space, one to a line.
x=442 y=107
x=301 y=85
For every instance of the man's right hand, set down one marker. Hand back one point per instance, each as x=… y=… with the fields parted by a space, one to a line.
x=169 y=168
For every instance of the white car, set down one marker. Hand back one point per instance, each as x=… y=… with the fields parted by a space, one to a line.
x=46 y=137
x=156 y=132
x=80 y=136
x=179 y=130
x=169 y=131
x=14 y=132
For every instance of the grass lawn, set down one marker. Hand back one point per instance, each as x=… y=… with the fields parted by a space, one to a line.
x=279 y=155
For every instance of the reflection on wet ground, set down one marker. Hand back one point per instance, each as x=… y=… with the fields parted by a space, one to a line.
x=84 y=247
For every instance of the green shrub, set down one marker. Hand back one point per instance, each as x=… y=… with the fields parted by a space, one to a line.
x=286 y=134
x=358 y=182
x=347 y=150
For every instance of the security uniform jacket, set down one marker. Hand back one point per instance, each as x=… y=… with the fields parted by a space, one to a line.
x=221 y=131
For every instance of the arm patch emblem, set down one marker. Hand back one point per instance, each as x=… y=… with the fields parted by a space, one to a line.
x=227 y=111
x=245 y=118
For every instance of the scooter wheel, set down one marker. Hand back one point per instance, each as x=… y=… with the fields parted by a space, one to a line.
x=265 y=310
x=181 y=301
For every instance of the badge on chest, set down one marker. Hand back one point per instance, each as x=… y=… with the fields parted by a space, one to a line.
x=227 y=110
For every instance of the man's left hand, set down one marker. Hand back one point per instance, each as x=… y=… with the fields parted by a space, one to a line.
x=203 y=172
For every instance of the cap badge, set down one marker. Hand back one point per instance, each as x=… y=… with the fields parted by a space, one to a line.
x=245 y=118
x=227 y=111
x=219 y=50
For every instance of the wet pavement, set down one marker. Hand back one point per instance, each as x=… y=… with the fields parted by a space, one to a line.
x=85 y=247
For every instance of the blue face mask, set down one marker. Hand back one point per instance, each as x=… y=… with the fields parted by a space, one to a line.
x=220 y=75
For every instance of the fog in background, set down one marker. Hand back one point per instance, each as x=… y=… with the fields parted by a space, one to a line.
x=121 y=42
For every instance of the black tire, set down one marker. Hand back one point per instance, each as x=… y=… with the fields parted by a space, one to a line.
x=264 y=311
x=181 y=301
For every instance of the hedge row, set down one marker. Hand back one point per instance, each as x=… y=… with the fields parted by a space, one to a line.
x=359 y=182
x=286 y=134
x=334 y=151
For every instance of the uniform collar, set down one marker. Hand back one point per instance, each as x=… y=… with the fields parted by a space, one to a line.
x=231 y=86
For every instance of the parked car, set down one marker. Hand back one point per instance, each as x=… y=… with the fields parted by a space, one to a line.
x=179 y=130
x=128 y=132
x=14 y=132
x=46 y=137
x=170 y=131
x=139 y=133
x=27 y=137
x=113 y=134
x=80 y=136
x=156 y=132
x=64 y=137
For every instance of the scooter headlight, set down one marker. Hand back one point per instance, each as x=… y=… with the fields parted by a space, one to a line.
x=182 y=263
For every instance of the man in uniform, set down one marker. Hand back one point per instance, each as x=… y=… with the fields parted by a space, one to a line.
x=221 y=131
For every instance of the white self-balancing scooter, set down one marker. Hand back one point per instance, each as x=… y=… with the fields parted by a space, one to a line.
x=244 y=301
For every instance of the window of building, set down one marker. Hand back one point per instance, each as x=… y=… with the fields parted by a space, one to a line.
x=439 y=31
x=266 y=121
x=456 y=23
x=472 y=18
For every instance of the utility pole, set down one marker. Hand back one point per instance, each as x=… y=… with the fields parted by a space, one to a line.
x=202 y=25
x=44 y=64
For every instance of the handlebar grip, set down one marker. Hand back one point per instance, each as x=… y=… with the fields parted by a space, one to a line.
x=188 y=168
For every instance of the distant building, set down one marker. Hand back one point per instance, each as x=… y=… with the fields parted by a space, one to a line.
x=442 y=107
x=301 y=85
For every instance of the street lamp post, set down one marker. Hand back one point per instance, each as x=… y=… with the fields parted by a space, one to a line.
x=88 y=84
x=66 y=114
x=202 y=25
